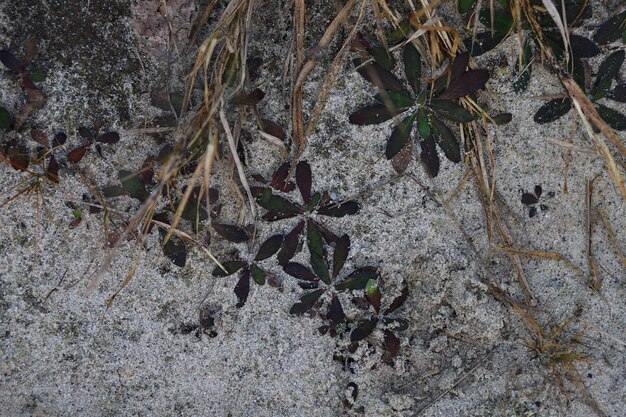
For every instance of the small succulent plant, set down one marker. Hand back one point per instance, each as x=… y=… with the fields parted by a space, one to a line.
x=313 y=205
x=422 y=108
x=248 y=268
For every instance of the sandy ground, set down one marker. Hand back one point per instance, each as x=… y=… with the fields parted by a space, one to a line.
x=67 y=354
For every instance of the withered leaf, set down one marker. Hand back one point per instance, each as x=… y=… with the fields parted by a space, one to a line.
x=52 y=172
x=40 y=137
x=34 y=101
x=269 y=247
x=466 y=84
x=31 y=48
x=401 y=160
x=273 y=129
x=231 y=232
x=363 y=329
x=391 y=344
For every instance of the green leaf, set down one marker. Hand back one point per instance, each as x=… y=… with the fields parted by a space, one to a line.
x=306 y=302
x=396 y=98
x=611 y=30
x=258 y=275
x=373 y=114
x=318 y=253
x=446 y=140
x=358 y=279
x=523 y=69
x=400 y=33
x=273 y=202
x=607 y=71
x=502 y=20
x=451 y=110
x=383 y=57
x=133 y=184
x=423 y=122
x=5 y=119
x=412 y=66
x=502 y=118
x=38 y=76
x=613 y=118
x=371 y=286
x=399 y=136
x=465 y=5
x=552 y=110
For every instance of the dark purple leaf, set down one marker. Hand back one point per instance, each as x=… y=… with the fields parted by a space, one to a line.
x=342 y=248
x=250 y=98
x=306 y=302
x=429 y=156
x=290 y=244
x=363 y=329
x=279 y=179
x=552 y=110
x=274 y=129
x=53 y=169
x=612 y=117
x=335 y=311
x=9 y=61
x=618 y=93
x=379 y=76
x=272 y=216
x=176 y=251
x=459 y=64
x=357 y=280
x=317 y=251
x=382 y=56
x=373 y=114
x=532 y=212
x=583 y=47
x=502 y=118
x=77 y=154
x=538 y=191
x=412 y=66
x=231 y=233
x=392 y=344
x=398 y=301
x=399 y=136
x=59 y=139
x=109 y=137
x=446 y=140
x=112 y=191
x=242 y=289
x=484 y=42
x=466 y=84
x=611 y=30
x=401 y=160
x=86 y=133
x=339 y=210
x=451 y=110
x=303 y=179
x=609 y=68
x=231 y=267
x=269 y=247
x=300 y=271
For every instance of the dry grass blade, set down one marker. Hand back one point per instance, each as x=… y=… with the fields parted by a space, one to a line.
x=596 y=284
x=555 y=256
x=612 y=236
